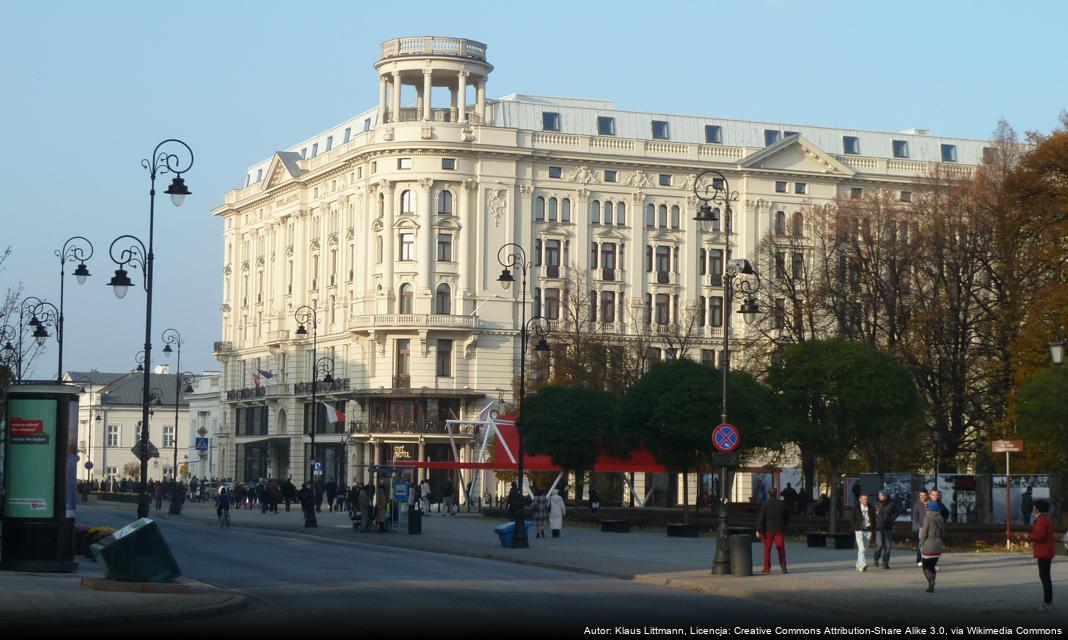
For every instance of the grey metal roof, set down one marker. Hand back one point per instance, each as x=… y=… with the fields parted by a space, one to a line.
x=289 y=159
x=92 y=377
x=126 y=389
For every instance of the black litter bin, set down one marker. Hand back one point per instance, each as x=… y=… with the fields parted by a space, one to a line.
x=415 y=520
x=741 y=547
x=137 y=553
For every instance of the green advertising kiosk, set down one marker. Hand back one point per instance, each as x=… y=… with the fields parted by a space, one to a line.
x=41 y=461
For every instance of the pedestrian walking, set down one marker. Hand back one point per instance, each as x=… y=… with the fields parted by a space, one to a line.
x=1043 y=548
x=771 y=526
x=863 y=528
x=289 y=492
x=1027 y=505
x=541 y=514
x=363 y=502
x=789 y=498
x=595 y=500
x=318 y=489
x=380 y=508
x=306 y=495
x=557 y=509
x=931 y=545
x=331 y=493
x=919 y=510
x=157 y=493
x=424 y=492
x=447 y=497
x=885 y=516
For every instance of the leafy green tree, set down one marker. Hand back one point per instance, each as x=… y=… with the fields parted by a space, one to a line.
x=572 y=424
x=1042 y=416
x=842 y=396
x=675 y=407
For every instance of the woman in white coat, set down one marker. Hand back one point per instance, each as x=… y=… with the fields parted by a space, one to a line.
x=556 y=513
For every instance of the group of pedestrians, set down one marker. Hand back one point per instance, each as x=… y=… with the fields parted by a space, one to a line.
x=873 y=529
x=547 y=508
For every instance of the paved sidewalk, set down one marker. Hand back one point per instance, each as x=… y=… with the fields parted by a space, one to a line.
x=42 y=601
x=987 y=588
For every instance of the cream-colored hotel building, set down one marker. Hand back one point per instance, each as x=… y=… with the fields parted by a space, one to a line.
x=389 y=226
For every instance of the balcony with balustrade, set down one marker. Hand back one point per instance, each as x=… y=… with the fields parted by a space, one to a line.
x=416 y=321
x=422 y=46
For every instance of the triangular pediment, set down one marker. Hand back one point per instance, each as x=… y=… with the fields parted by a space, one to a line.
x=283 y=168
x=796 y=154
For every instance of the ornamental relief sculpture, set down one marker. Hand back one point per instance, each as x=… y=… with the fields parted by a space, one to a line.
x=639 y=179
x=582 y=175
x=497 y=204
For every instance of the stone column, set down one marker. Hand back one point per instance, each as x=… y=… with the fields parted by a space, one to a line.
x=395 y=115
x=426 y=223
x=465 y=238
x=382 y=86
x=452 y=103
x=422 y=458
x=480 y=104
x=388 y=240
x=376 y=453
x=461 y=115
x=427 y=88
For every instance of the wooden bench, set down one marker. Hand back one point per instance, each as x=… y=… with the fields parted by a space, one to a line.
x=679 y=530
x=615 y=526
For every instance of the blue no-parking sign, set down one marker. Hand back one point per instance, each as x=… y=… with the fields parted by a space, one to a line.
x=726 y=438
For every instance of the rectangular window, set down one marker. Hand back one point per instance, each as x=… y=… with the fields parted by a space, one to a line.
x=789 y=134
x=550 y=121
x=444 y=247
x=665 y=179
x=448 y=164
x=367 y=124
x=609 y=175
x=901 y=149
x=606 y=126
x=554 y=172
x=780 y=186
x=374 y=166
x=715 y=311
x=771 y=136
x=856 y=192
x=906 y=196
x=797 y=265
x=779 y=316
x=315 y=149
x=348 y=134
x=989 y=155
x=402 y=366
x=663 y=259
x=661 y=131
x=702 y=310
x=168 y=436
x=851 y=145
x=329 y=142
x=407 y=247
x=949 y=153
x=780 y=264
x=444 y=358
x=708 y=357
x=113 y=435
x=608 y=306
x=378 y=250
x=404 y=163
x=304 y=153
x=663 y=308
x=715 y=266
x=713 y=134
x=608 y=255
x=801 y=187
x=552 y=253
x=552 y=304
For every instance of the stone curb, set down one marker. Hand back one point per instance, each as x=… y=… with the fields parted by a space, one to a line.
x=103 y=584
x=232 y=602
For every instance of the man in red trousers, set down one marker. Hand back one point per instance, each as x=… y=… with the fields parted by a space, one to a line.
x=771 y=526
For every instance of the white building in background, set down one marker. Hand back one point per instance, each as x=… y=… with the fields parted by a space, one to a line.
x=109 y=423
x=389 y=226
x=205 y=411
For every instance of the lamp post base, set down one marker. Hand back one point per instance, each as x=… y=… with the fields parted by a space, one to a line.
x=143 y=506
x=519 y=536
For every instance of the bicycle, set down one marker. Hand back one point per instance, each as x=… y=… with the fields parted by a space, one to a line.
x=224 y=519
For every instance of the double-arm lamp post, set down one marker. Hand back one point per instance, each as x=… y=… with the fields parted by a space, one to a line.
x=136 y=255
x=713 y=190
x=172 y=343
x=75 y=249
x=510 y=256
x=304 y=316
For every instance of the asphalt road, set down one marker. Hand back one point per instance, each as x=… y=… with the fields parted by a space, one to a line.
x=300 y=584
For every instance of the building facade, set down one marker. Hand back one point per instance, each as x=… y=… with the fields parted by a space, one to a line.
x=205 y=411
x=389 y=227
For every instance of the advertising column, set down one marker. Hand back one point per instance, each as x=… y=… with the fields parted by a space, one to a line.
x=41 y=463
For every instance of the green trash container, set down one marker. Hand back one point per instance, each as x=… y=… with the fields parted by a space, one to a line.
x=137 y=553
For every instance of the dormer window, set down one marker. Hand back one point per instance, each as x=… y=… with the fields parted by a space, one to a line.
x=661 y=130
x=550 y=121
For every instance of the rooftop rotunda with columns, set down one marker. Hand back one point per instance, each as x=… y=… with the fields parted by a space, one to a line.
x=426 y=62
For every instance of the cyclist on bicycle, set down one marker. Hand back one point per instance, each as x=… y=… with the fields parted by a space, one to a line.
x=222 y=503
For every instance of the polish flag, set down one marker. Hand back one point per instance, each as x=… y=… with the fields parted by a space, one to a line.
x=333 y=414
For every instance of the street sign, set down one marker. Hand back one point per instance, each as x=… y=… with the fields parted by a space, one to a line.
x=1007 y=446
x=726 y=438
x=400 y=491
x=153 y=452
x=89 y=465
x=201 y=444
x=317 y=468
x=202 y=432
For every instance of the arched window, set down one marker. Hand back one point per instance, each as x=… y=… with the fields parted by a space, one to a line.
x=595 y=211
x=406 y=202
x=443 y=300
x=405 y=298
x=650 y=215
x=675 y=217
x=565 y=210
x=445 y=203
x=539 y=208
x=798 y=224
x=552 y=209
x=662 y=218
x=780 y=223
x=608 y=213
x=621 y=214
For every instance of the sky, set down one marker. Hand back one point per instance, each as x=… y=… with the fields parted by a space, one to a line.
x=89 y=88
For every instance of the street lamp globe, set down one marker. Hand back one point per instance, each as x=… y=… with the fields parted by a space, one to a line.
x=506 y=279
x=167 y=351
x=40 y=334
x=81 y=273
x=749 y=310
x=301 y=331
x=120 y=283
x=177 y=191
x=1056 y=352
x=706 y=215
x=542 y=346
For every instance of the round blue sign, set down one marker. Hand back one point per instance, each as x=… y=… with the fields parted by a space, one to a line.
x=726 y=438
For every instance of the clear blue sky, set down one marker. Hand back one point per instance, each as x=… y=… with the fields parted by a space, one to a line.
x=89 y=88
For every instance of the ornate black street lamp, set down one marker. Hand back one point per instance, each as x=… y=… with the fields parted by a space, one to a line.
x=136 y=255
x=172 y=342
x=75 y=249
x=713 y=190
x=512 y=255
x=1056 y=351
x=306 y=315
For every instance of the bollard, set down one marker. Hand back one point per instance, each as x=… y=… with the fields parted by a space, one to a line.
x=741 y=546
